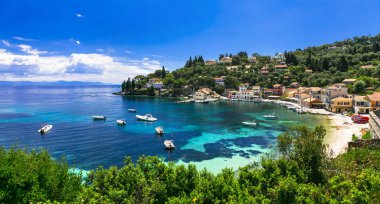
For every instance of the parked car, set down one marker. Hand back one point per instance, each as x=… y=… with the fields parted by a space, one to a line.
x=359 y=119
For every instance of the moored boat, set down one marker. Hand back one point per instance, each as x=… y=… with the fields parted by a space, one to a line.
x=99 y=117
x=120 y=122
x=270 y=117
x=147 y=117
x=169 y=145
x=45 y=129
x=250 y=123
x=159 y=130
x=132 y=110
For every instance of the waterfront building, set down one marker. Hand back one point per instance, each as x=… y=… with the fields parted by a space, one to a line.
x=362 y=104
x=374 y=100
x=333 y=91
x=341 y=105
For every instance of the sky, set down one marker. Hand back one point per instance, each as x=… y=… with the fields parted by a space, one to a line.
x=111 y=40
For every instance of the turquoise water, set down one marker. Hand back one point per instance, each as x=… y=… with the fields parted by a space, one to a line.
x=209 y=135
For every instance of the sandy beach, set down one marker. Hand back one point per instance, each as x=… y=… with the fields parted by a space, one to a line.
x=340 y=132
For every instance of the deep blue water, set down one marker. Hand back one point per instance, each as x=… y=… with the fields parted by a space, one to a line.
x=209 y=135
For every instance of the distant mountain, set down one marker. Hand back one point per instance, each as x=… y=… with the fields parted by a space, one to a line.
x=55 y=83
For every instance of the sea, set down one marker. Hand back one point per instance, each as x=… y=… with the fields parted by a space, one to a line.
x=210 y=136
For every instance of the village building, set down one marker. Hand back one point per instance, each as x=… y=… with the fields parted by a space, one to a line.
x=349 y=81
x=264 y=71
x=312 y=103
x=267 y=93
x=245 y=95
x=280 y=68
x=219 y=80
x=232 y=95
x=374 y=100
x=367 y=66
x=232 y=67
x=334 y=91
x=210 y=62
x=155 y=82
x=362 y=105
x=341 y=105
x=316 y=92
x=256 y=90
x=294 y=85
x=205 y=93
x=226 y=60
x=278 y=89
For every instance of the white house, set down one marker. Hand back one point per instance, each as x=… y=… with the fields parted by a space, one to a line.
x=245 y=95
x=334 y=91
x=243 y=87
x=219 y=80
x=256 y=90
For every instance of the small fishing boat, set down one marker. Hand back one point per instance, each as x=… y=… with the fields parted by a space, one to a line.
x=270 y=117
x=147 y=117
x=132 y=110
x=250 y=123
x=45 y=129
x=99 y=117
x=169 y=145
x=120 y=122
x=159 y=130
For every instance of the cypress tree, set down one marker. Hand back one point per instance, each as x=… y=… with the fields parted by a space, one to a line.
x=133 y=85
x=128 y=85
x=163 y=72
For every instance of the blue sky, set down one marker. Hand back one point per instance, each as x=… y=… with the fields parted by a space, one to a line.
x=93 y=40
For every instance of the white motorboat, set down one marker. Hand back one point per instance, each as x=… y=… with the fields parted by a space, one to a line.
x=132 y=110
x=45 y=129
x=99 y=117
x=169 y=145
x=147 y=117
x=120 y=122
x=270 y=117
x=160 y=130
x=250 y=123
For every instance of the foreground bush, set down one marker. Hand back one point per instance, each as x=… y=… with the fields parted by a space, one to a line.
x=32 y=176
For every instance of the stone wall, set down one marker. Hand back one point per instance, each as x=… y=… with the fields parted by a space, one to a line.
x=374 y=143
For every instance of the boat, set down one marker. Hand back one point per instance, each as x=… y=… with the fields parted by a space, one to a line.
x=147 y=117
x=160 y=130
x=120 y=122
x=270 y=117
x=45 y=129
x=132 y=110
x=99 y=117
x=300 y=111
x=169 y=145
x=202 y=101
x=250 y=123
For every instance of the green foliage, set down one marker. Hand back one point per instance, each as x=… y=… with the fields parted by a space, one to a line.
x=359 y=87
x=32 y=176
x=367 y=136
x=354 y=138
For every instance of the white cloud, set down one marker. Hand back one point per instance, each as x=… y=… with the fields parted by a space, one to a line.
x=100 y=50
x=77 y=42
x=29 y=50
x=6 y=43
x=128 y=51
x=75 y=67
x=79 y=15
x=22 y=39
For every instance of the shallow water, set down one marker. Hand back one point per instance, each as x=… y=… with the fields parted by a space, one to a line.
x=209 y=135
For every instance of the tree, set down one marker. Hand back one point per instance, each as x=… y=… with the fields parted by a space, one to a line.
x=342 y=64
x=163 y=72
x=359 y=87
x=231 y=82
x=123 y=86
x=133 y=85
x=128 y=85
x=151 y=91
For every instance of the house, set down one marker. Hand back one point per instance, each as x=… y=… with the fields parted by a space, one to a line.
x=341 y=104
x=374 y=124
x=245 y=95
x=294 y=85
x=279 y=56
x=367 y=66
x=226 y=60
x=333 y=91
x=267 y=92
x=362 y=104
x=316 y=92
x=349 y=81
x=247 y=66
x=264 y=71
x=155 y=82
x=232 y=95
x=232 y=67
x=301 y=96
x=210 y=62
x=243 y=87
x=253 y=59
x=205 y=93
x=219 y=80
x=280 y=67
x=374 y=100
x=312 y=103
x=278 y=89
x=256 y=90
